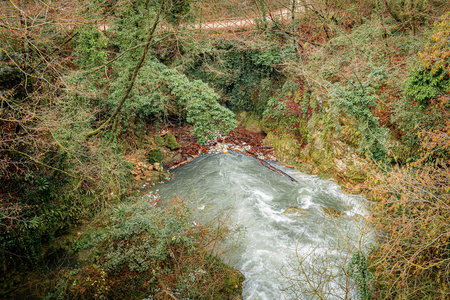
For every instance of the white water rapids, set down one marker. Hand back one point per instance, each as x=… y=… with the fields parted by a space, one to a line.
x=297 y=255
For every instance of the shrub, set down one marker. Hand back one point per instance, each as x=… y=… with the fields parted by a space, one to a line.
x=155 y=156
x=357 y=99
x=161 y=91
x=148 y=251
x=411 y=202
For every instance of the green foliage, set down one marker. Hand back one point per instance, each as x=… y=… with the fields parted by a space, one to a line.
x=179 y=11
x=357 y=99
x=134 y=19
x=83 y=179
x=155 y=156
x=357 y=268
x=90 y=47
x=423 y=85
x=245 y=74
x=160 y=91
x=157 y=91
x=140 y=251
x=203 y=110
x=351 y=136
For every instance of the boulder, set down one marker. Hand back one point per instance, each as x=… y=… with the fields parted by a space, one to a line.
x=171 y=142
x=331 y=212
x=147 y=173
x=158 y=167
x=170 y=158
x=294 y=210
x=286 y=147
x=148 y=167
x=155 y=155
x=159 y=141
x=250 y=123
x=339 y=148
x=350 y=167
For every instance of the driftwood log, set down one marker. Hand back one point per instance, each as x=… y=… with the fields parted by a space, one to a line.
x=250 y=154
x=267 y=165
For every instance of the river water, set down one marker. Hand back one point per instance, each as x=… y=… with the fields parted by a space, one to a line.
x=296 y=254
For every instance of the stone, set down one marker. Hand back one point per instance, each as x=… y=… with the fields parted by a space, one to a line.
x=253 y=125
x=269 y=139
x=147 y=173
x=331 y=212
x=158 y=167
x=286 y=147
x=339 y=165
x=356 y=174
x=171 y=142
x=351 y=167
x=318 y=156
x=154 y=156
x=339 y=148
x=294 y=210
x=318 y=143
x=159 y=141
x=170 y=158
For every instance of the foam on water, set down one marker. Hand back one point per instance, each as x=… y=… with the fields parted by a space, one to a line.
x=305 y=201
x=255 y=198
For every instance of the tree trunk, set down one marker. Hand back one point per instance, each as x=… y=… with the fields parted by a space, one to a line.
x=133 y=76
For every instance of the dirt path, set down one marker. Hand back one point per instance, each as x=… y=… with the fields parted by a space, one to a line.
x=234 y=23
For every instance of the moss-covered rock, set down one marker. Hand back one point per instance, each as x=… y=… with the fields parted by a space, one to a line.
x=159 y=141
x=170 y=157
x=171 y=142
x=331 y=212
x=350 y=167
x=250 y=123
x=295 y=211
x=356 y=174
x=286 y=147
x=317 y=155
x=155 y=155
x=351 y=135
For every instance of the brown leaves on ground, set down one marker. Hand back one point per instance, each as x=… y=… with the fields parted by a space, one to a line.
x=238 y=137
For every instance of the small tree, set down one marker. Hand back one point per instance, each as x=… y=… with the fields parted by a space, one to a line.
x=411 y=207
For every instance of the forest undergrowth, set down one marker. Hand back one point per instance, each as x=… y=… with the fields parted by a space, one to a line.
x=366 y=78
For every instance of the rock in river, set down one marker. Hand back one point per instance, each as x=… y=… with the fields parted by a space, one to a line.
x=331 y=212
x=295 y=211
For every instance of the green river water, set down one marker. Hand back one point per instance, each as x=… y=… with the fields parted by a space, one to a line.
x=294 y=254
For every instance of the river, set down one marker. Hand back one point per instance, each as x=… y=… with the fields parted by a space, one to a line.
x=301 y=253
